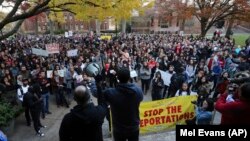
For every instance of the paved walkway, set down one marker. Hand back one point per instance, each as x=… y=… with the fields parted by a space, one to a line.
x=53 y=121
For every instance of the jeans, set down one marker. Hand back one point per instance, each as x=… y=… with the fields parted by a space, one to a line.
x=145 y=85
x=124 y=137
x=45 y=108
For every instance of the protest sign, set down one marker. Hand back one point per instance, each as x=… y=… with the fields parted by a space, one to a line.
x=61 y=73
x=66 y=34
x=133 y=74
x=70 y=33
x=49 y=73
x=72 y=53
x=52 y=48
x=164 y=114
x=40 y=52
x=106 y=37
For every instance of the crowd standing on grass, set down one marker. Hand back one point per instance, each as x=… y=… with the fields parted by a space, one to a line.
x=166 y=65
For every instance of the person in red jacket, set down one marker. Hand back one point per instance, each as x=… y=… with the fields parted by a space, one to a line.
x=235 y=111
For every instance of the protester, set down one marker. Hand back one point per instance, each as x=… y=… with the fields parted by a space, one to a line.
x=33 y=100
x=203 y=113
x=237 y=111
x=20 y=94
x=124 y=101
x=44 y=83
x=157 y=87
x=85 y=120
x=145 y=74
x=184 y=90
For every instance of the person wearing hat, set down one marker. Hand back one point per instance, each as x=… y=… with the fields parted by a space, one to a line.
x=21 y=91
x=84 y=122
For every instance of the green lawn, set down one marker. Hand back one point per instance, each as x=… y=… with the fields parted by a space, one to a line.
x=240 y=39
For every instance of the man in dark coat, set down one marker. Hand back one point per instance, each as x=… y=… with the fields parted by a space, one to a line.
x=33 y=101
x=124 y=101
x=84 y=122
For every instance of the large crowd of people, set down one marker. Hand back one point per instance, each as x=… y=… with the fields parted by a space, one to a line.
x=166 y=65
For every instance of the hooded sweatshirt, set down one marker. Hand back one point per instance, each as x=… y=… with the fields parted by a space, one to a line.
x=83 y=122
x=124 y=101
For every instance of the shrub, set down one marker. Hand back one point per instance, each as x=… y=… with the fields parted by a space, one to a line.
x=8 y=112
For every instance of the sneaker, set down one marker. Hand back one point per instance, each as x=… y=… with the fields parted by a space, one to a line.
x=40 y=134
x=43 y=126
x=49 y=112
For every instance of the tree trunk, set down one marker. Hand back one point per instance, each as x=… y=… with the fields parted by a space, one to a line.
x=123 y=26
x=97 y=27
x=203 y=28
x=182 y=27
x=229 y=28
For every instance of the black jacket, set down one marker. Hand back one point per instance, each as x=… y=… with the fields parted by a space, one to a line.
x=83 y=123
x=124 y=101
x=32 y=102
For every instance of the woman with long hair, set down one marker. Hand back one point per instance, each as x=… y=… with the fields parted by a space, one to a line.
x=145 y=74
x=157 y=87
x=57 y=86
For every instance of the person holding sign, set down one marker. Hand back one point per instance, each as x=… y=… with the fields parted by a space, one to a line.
x=57 y=86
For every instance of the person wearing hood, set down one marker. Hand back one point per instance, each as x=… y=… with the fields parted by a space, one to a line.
x=124 y=101
x=84 y=122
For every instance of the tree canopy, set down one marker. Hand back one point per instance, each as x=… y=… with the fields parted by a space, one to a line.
x=84 y=10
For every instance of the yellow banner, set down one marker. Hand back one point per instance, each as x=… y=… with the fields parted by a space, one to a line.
x=164 y=114
x=106 y=37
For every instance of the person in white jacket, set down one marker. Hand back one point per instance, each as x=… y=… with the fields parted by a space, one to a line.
x=166 y=76
x=21 y=91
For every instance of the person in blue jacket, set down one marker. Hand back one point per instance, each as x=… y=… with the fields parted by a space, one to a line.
x=204 y=113
x=3 y=136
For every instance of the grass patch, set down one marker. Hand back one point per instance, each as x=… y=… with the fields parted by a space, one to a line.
x=240 y=39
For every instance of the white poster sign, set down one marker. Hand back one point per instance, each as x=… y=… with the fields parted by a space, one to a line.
x=40 y=52
x=72 y=53
x=49 y=73
x=66 y=34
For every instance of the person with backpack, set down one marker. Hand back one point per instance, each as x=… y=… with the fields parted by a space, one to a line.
x=21 y=91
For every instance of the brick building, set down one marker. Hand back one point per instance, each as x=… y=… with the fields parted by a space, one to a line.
x=41 y=24
x=154 y=22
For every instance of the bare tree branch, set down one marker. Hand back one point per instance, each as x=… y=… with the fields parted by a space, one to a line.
x=14 y=30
